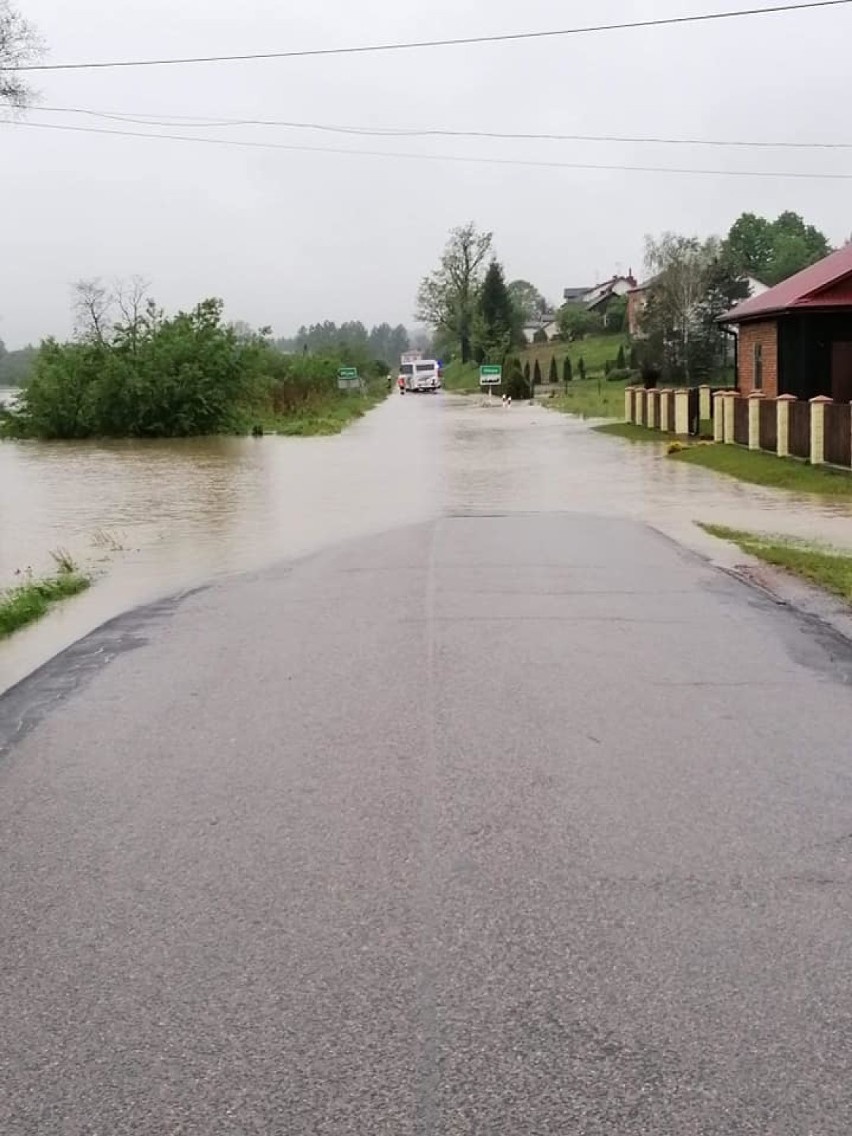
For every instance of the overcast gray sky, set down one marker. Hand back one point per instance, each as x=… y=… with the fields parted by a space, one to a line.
x=287 y=238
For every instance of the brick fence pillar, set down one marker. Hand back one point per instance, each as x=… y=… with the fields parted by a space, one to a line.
x=681 y=411
x=665 y=411
x=719 y=416
x=705 y=404
x=651 y=404
x=754 y=420
x=628 y=404
x=818 y=405
x=728 y=435
x=782 y=409
x=639 y=406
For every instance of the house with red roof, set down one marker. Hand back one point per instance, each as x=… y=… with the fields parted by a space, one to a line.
x=796 y=338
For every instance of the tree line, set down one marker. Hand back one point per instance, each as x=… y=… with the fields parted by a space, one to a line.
x=382 y=343
x=476 y=316
x=133 y=371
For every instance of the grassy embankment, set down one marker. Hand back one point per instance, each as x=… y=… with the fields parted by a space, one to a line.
x=594 y=396
x=594 y=350
x=25 y=603
x=590 y=398
x=759 y=468
x=323 y=417
x=828 y=569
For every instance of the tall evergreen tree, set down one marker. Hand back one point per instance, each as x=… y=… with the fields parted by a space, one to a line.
x=567 y=374
x=497 y=315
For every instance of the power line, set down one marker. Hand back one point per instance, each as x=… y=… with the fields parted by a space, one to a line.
x=449 y=158
x=188 y=122
x=512 y=37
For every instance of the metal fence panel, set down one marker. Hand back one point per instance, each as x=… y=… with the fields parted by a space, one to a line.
x=838 y=433
x=800 y=429
x=741 y=421
x=769 y=425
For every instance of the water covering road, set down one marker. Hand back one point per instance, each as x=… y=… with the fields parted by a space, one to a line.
x=151 y=518
x=503 y=814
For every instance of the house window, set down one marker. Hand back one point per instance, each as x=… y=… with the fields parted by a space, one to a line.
x=758 y=366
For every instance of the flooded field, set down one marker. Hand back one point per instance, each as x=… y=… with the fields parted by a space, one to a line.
x=151 y=518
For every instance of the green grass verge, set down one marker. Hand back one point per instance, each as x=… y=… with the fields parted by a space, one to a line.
x=463 y=378
x=29 y=601
x=766 y=469
x=321 y=419
x=830 y=570
x=592 y=398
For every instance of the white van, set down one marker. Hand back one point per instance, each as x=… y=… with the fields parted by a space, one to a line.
x=421 y=375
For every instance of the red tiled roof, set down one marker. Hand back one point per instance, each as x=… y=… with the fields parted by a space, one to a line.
x=804 y=290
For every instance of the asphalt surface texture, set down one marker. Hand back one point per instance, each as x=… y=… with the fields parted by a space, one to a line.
x=493 y=825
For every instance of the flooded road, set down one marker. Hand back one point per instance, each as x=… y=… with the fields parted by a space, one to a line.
x=152 y=518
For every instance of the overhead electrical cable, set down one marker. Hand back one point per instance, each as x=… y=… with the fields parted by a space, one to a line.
x=448 y=158
x=187 y=122
x=418 y=45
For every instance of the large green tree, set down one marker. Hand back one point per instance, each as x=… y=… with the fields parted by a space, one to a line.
x=694 y=283
x=497 y=323
x=447 y=298
x=528 y=302
x=773 y=250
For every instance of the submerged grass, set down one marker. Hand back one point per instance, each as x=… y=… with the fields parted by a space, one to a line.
x=827 y=568
x=29 y=601
x=320 y=419
x=766 y=469
x=632 y=433
x=591 y=398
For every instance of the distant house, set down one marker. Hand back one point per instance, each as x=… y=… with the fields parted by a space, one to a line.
x=576 y=295
x=548 y=324
x=599 y=298
x=796 y=338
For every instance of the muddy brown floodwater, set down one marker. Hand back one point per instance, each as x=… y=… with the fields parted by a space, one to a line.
x=153 y=518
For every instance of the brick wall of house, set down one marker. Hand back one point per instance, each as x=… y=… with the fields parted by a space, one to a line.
x=765 y=334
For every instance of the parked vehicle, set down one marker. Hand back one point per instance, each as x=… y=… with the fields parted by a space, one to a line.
x=421 y=375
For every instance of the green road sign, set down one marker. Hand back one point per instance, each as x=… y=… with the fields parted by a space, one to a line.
x=347 y=373
x=490 y=375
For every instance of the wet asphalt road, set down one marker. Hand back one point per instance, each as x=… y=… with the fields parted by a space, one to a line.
x=493 y=825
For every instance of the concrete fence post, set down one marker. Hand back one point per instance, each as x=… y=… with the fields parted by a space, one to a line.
x=730 y=404
x=818 y=406
x=705 y=404
x=639 y=414
x=782 y=410
x=651 y=404
x=681 y=411
x=754 y=420
x=719 y=416
x=628 y=404
x=665 y=411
